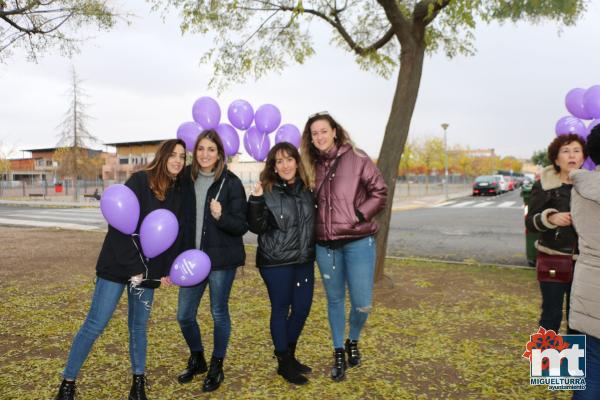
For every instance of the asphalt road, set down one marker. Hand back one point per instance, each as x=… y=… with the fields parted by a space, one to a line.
x=485 y=229
x=488 y=229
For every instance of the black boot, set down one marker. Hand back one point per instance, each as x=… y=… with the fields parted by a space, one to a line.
x=288 y=370
x=215 y=375
x=196 y=365
x=303 y=369
x=66 y=391
x=138 y=388
x=353 y=353
x=338 y=371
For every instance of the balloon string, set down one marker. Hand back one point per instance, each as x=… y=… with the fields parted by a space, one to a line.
x=220 y=187
x=144 y=277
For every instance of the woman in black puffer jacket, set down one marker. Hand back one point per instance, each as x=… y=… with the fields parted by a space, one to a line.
x=281 y=211
x=549 y=213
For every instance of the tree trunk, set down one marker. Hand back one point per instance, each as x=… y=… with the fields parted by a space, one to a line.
x=396 y=133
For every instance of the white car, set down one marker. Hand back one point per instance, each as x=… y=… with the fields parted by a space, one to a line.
x=502 y=184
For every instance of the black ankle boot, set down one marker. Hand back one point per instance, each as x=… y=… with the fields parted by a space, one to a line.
x=288 y=370
x=215 y=375
x=353 y=353
x=303 y=369
x=66 y=391
x=338 y=371
x=196 y=365
x=138 y=388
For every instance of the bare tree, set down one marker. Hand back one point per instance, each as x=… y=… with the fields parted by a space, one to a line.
x=5 y=153
x=37 y=25
x=75 y=138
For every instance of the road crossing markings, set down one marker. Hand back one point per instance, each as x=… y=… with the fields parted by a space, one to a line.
x=463 y=204
x=506 y=204
x=447 y=203
x=484 y=204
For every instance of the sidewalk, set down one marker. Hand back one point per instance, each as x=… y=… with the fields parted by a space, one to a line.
x=400 y=203
x=411 y=203
x=52 y=203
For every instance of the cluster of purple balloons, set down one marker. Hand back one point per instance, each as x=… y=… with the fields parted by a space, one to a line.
x=121 y=209
x=158 y=232
x=583 y=104
x=267 y=119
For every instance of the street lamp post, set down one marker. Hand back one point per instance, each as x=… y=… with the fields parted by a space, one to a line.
x=444 y=127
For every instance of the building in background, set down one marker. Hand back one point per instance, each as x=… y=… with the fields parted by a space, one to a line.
x=41 y=166
x=130 y=157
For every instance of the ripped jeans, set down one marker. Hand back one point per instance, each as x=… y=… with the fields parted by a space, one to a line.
x=354 y=264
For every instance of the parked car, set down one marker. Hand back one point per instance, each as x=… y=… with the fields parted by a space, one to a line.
x=502 y=184
x=510 y=183
x=487 y=185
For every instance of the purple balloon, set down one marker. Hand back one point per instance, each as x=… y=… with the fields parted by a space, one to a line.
x=570 y=124
x=188 y=132
x=267 y=118
x=158 y=232
x=592 y=125
x=591 y=101
x=257 y=144
x=121 y=208
x=589 y=164
x=230 y=139
x=206 y=112
x=240 y=114
x=574 y=103
x=288 y=133
x=190 y=268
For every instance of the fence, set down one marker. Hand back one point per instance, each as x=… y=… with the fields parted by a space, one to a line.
x=411 y=186
x=43 y=189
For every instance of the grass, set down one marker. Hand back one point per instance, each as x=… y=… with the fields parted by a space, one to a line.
x=437 y=331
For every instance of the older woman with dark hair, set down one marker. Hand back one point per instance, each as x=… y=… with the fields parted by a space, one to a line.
x=584 y=315
x=549 y=214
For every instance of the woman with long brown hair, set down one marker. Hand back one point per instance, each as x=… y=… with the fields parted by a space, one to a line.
x=349 y=192
x=215 y=221
x=121 y=264
x=281 y=211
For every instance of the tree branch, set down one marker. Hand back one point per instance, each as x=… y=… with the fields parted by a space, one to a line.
x=337 y=24
x=400 y=24
x=425 y=11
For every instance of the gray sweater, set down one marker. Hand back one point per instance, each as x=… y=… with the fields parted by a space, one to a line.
x=203 y=182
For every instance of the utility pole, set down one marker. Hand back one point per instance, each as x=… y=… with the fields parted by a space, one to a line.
x=445 y=127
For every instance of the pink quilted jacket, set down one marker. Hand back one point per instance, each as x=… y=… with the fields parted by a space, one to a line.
x=350 y=197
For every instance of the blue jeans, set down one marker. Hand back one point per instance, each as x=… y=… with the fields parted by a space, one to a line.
x=105 y=300
x=220 y=283
x=352 y=264
x=553 y=298
x=290 y=290
x=592 y=371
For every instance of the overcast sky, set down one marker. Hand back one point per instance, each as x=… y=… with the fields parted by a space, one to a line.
x=142 y=80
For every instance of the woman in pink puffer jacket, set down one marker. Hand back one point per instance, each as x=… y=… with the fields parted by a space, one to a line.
x=349 y=192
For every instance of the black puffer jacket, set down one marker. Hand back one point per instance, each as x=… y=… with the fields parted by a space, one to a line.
x=222 y=239
x=549 y=195
x=284 y=220
x=120 y=258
